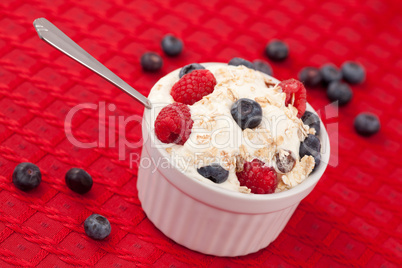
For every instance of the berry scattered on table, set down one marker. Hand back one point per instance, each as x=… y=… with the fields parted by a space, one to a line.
x=240 y=61
x=367 y=124
x=341 y=92
x=277 y=50
x=259 y=178
x=151 y=62
x=329 y=74
x=214 y=172
x=78 y=180
x=263 y=66
x=193 y=86
x=97 y=227
x=171 y=45
x=246 y=113
x=285 y=161
x=295 y=94
x=311 y=146
x=189 y=68
x=26 y=176
x=310 y=76
x=312 y=120
x=173 y=124
x=353 y=72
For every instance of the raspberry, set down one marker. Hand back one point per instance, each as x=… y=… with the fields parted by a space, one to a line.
x=173 y=124
x=193 y=86
x=259 y=178
x=295 y=94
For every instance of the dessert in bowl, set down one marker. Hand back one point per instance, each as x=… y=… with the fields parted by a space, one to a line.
x=225 y=170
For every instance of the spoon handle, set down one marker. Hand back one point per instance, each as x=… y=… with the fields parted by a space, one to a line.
x=56 y=38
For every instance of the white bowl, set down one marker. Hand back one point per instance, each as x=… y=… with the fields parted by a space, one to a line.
x=207 y=218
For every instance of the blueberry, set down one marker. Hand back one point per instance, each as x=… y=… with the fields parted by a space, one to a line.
x=312 y=120
x=97 y=227
x=171 y=45
x=151 y=62
x=277 y=50
x=285 y=161
x=263 y=66
x=26 y=176
x=214 y=172
x=329 y=74
x=247 y=113
x=367 y=124
x=317 y=160
x=353 y=72
x=340 y=92
x=311 y=146
x=240 y=61
x=78 y=180
x=189 y=68
x=310 y=76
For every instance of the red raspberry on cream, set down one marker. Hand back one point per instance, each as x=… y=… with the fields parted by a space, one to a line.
x=259 y=178
x=295 y=95
x=173 y=124
x=193 y=86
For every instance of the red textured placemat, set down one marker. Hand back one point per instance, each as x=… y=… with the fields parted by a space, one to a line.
x=352 y=218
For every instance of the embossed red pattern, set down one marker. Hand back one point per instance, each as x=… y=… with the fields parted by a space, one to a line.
x=352 y=218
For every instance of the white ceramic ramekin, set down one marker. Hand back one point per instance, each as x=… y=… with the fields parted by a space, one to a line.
x=209 y=219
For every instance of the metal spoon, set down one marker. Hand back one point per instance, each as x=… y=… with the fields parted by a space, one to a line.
x=56 y=38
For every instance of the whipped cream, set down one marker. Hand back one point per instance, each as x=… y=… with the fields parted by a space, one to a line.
x=216 y=137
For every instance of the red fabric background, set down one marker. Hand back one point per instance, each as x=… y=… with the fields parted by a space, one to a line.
x=353 y=217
